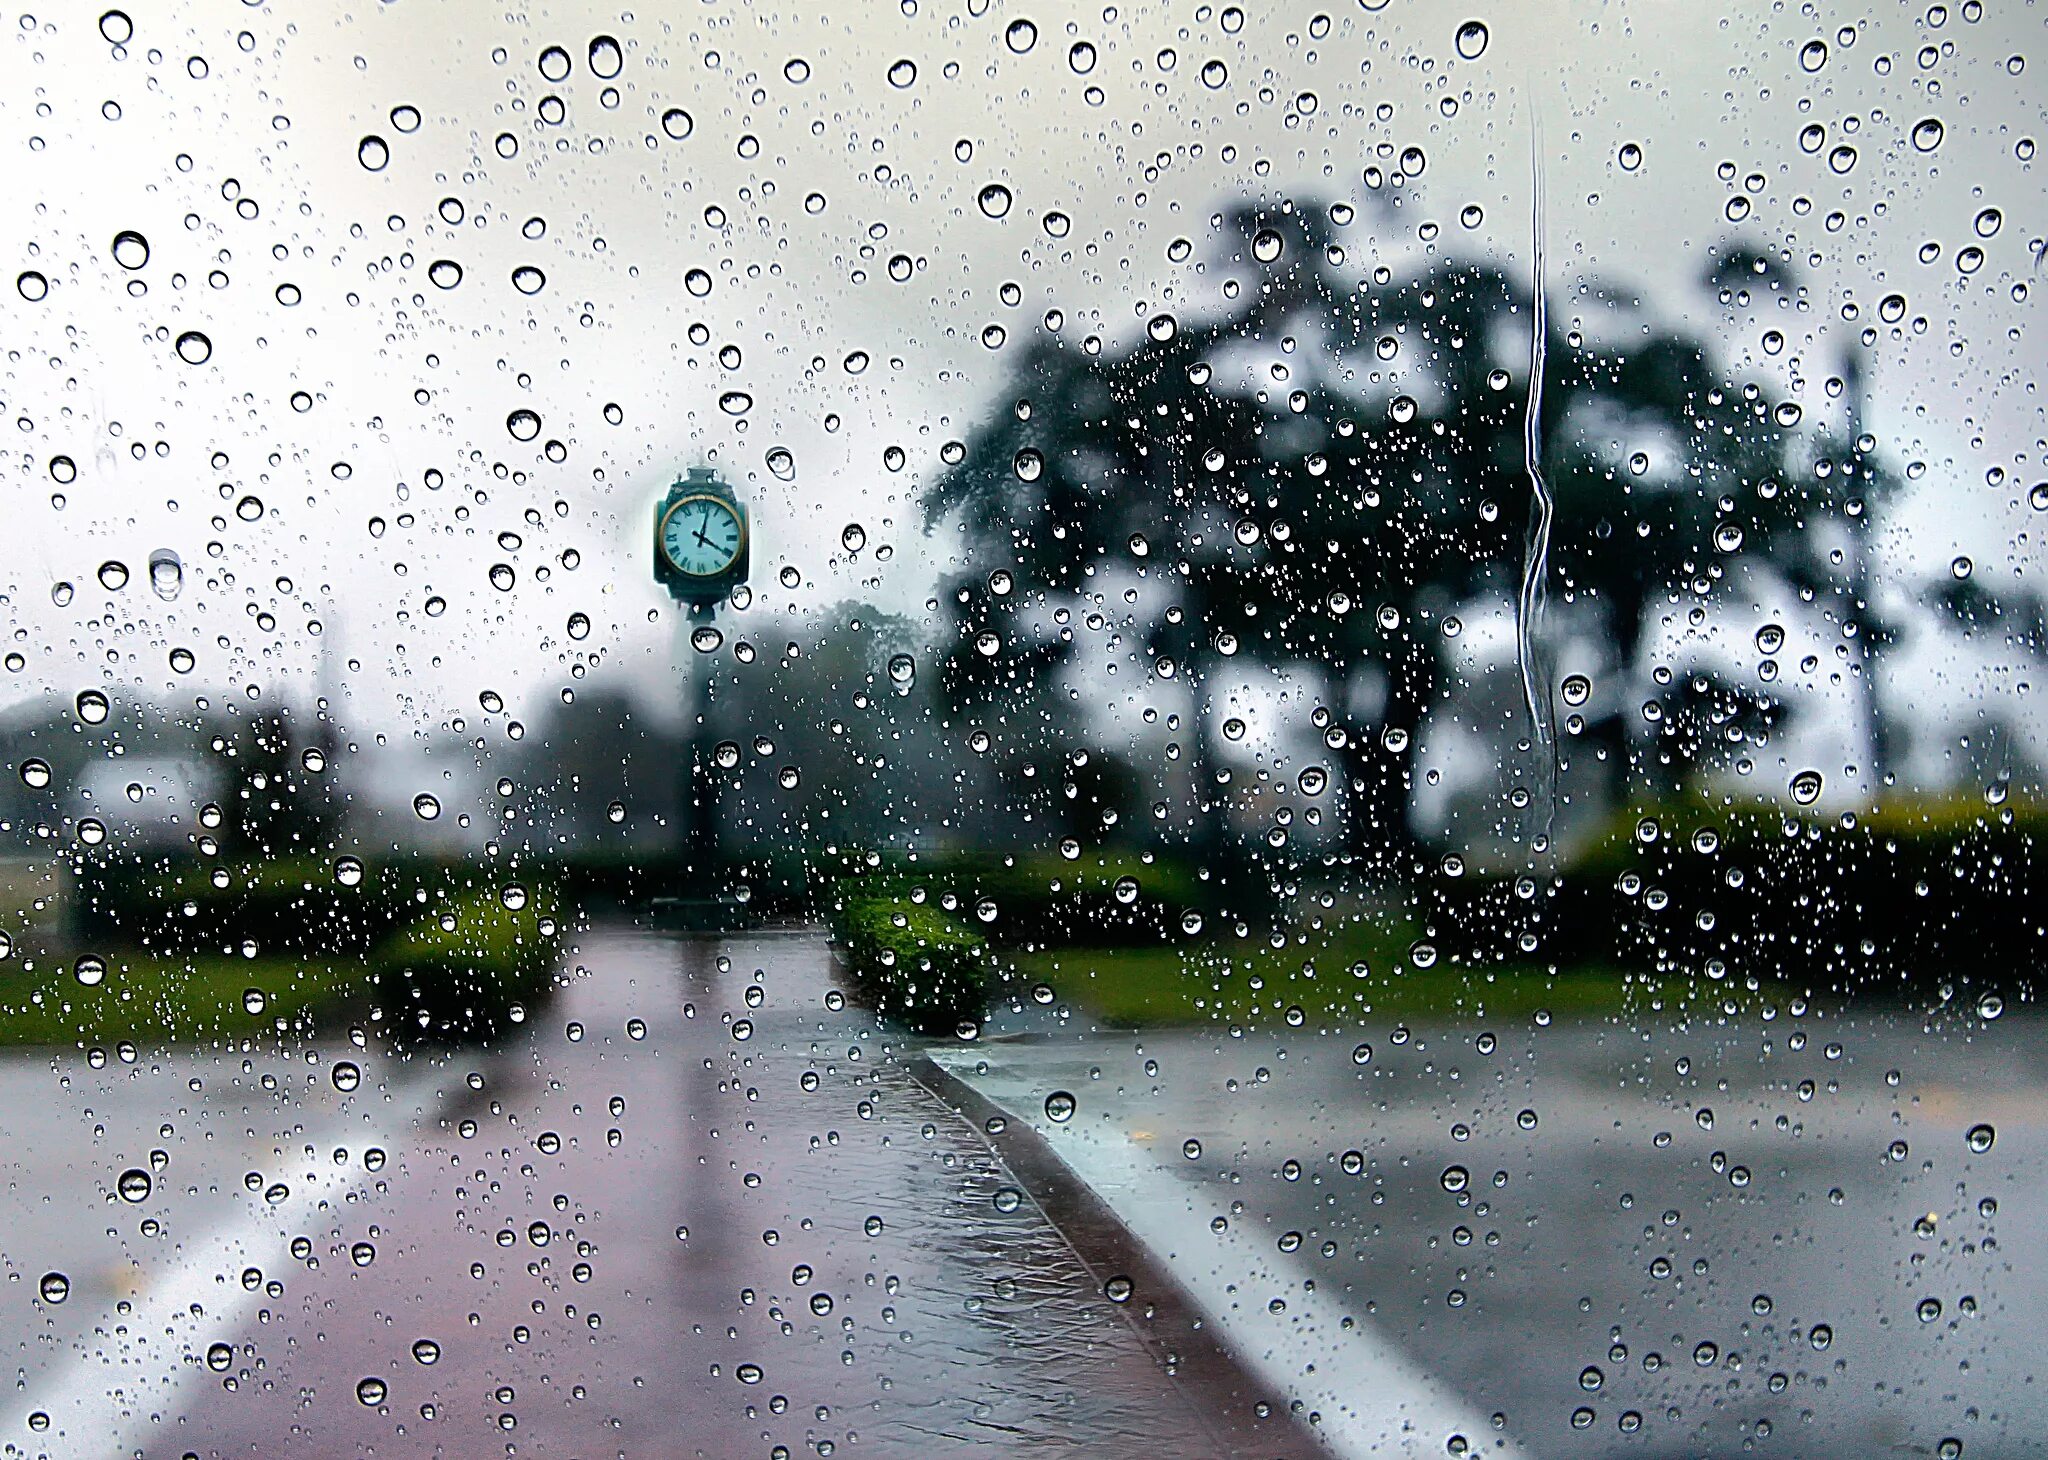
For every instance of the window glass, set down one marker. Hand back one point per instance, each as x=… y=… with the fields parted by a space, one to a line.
x=952 y=725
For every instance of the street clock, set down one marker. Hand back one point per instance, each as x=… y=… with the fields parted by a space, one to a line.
x=702 y=541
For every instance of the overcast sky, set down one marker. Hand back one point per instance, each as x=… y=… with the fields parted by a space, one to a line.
x=788 y=156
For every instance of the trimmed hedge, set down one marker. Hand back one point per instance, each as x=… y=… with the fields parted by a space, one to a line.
x=1911 y=899
x=912 y=963
x=1103 y=901
x=467 y=969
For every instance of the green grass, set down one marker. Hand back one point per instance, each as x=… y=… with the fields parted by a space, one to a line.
x=157 y=1001
x=1316 y=983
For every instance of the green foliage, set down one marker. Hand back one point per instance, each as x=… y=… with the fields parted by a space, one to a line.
x=1912 y=899
x=1047 y=900
x=912 y=963
x=292 y=904
x=469 y=968
x=157 y=1002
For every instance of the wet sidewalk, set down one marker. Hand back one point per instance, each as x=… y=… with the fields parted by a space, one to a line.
x=703 y=1209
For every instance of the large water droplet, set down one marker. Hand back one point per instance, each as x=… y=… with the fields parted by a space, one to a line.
x=1471 y=39
x=55 y=1288
x=35 y=773
x=1060 y=1107
x=32 y=286
x=902 y=670
x=554 y=64
x=677 y=123
x=425 y=807
x=782 y=464
x=529 y=280
x=113 y=575
x=994 y=200
x=1806 y=787
x=444 y=273
x=131 y=249
x=606 y=57
x=91 y=706
x=347 y=1075
x=194 y=348
x=1927 y=134
x=116 y=28
x=166 y=574
x=134 y=1184
x=853 y=537
x=903 y=73
x=523 y=424
x=373 y=152
x=1021 y=36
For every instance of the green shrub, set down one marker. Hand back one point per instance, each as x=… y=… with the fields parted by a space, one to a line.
x=1047 y=901
x=468 y=967
x=912 y=963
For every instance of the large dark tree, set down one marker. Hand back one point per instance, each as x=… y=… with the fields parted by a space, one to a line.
x=1314 y=474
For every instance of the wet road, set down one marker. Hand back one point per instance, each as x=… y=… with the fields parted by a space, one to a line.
x=699 y=1211
x=1798 y=1237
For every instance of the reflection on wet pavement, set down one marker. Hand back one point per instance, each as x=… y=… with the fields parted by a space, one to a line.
x=1802 y=1238
x=696 y=1212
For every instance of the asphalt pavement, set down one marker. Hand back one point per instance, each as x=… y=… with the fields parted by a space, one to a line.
x=702 y=1207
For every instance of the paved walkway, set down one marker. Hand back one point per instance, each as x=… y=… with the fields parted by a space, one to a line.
x=697 y=1212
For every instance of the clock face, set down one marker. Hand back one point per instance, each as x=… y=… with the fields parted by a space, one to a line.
x=701 y=536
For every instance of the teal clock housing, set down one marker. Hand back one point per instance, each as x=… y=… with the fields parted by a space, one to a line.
x=703 y=540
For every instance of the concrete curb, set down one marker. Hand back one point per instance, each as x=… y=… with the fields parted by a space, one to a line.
x=1246 y=1419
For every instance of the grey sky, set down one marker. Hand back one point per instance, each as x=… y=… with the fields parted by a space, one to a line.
x=253 y=169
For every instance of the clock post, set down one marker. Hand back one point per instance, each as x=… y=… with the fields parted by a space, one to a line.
x=702 y=548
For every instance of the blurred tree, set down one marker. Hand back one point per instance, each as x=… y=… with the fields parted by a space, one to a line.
x=276 y=790
x=1313 y=475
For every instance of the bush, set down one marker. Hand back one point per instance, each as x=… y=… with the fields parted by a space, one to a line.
x=293 y=905
x=1099 y=901
x=469 y=968
x=1911 y=898
x=912 y=963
